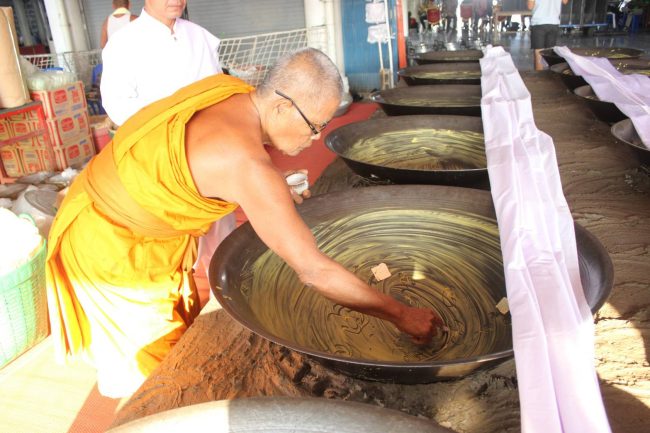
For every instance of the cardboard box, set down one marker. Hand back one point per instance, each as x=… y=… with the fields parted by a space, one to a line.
x=31 y=161
x=75 y=153
x=26 y=115
x=68 y=127
x=10 y=157
x=35 y=154
x=61 y=101
x=41 y=142
x=101 y=136
x=14 y=124
x=5 y=130
x=35 y=160
x=24 y=127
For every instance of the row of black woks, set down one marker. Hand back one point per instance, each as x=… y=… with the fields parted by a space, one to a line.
x=433 y=228
x=627 y=61
x=443 y=82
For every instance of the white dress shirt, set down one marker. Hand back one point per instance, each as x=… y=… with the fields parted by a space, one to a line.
x=146 y=61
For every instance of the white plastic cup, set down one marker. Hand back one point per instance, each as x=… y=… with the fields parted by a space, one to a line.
x=298 y=182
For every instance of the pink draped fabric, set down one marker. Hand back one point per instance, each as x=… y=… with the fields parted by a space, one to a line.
x=630 y=93
x=552 y=326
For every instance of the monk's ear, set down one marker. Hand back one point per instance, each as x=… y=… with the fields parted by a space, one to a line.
x=281 y=105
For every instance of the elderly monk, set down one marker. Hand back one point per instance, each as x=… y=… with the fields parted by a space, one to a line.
x=119 y=265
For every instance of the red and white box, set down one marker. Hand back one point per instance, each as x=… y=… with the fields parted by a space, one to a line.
x=10 y=157
x=5 y=130
x=19 y=124
x=36 y=155
x=100 y=131
x=24 y=127
x=61 y=101
x=68 y=128
x=75 y=153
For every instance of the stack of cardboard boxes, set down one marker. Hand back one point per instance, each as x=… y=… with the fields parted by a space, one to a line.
x=51 y=133
x=25 y=145
x=66 y=114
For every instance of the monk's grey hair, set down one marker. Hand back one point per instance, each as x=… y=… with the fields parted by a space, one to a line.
x=307 y=75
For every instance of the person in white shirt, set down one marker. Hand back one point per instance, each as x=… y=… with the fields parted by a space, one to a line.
x=153 y=56
x=119 y=18
x=544 y=26
x=150 y=59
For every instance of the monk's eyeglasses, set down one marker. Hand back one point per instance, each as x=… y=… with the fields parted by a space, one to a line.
x=315 y=129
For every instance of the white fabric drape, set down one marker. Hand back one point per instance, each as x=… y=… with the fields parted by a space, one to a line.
x=552 y=326
x=630 y=93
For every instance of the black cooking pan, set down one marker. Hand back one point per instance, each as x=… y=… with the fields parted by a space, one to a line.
x=624 y=131
x=442 y=73
x=456 y=99
x=570 y=80
x=632 y=66
x=605 y=111
x=459 y=222
x=616 y=53
x=465 y=56
x=436 y=150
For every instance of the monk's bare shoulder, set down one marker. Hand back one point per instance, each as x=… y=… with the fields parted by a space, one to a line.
x=222 y=142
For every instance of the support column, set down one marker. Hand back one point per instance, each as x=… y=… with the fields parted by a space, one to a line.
x=328 y=13
x=23 y=23
x=78 y=28
x=59 y=25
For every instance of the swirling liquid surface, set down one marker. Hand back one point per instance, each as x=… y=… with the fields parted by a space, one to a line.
x=611 y=53
x=435 y=101
x=444 y=260
x=447 y=75
x=422 y=149
x=622 y=68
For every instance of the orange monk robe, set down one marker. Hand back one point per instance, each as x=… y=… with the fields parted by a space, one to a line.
x=121 y=249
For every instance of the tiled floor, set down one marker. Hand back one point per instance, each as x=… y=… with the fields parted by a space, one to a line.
x=39 y=396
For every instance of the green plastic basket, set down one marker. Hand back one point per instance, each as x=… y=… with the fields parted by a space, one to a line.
x=23 y=308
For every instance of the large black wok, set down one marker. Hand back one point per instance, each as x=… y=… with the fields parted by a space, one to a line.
x=624 y=131
x=466 y=248
x=442 y=73
x=570 y=80
x=605 y=111
x=466 y=56
x=453 y=162
x=457 y=99
x=632 y=66
x=616 y=53
x=629 y=66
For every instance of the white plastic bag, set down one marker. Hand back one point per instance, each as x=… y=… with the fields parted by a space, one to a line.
x=43 y=221
x=20 y=241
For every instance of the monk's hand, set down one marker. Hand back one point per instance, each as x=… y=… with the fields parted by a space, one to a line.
x=420 y=323
x=298 y=198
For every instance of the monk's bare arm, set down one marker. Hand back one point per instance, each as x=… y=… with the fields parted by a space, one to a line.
x=231 y=164
x=267 y=203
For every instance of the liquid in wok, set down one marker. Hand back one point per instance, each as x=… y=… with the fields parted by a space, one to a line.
x=441 y=245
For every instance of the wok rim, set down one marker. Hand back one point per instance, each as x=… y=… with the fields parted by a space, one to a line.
x=377 y=97
x=635 y=53
x=330 y=146
x=421 y=57
x=615 y=128
x=475 y=361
